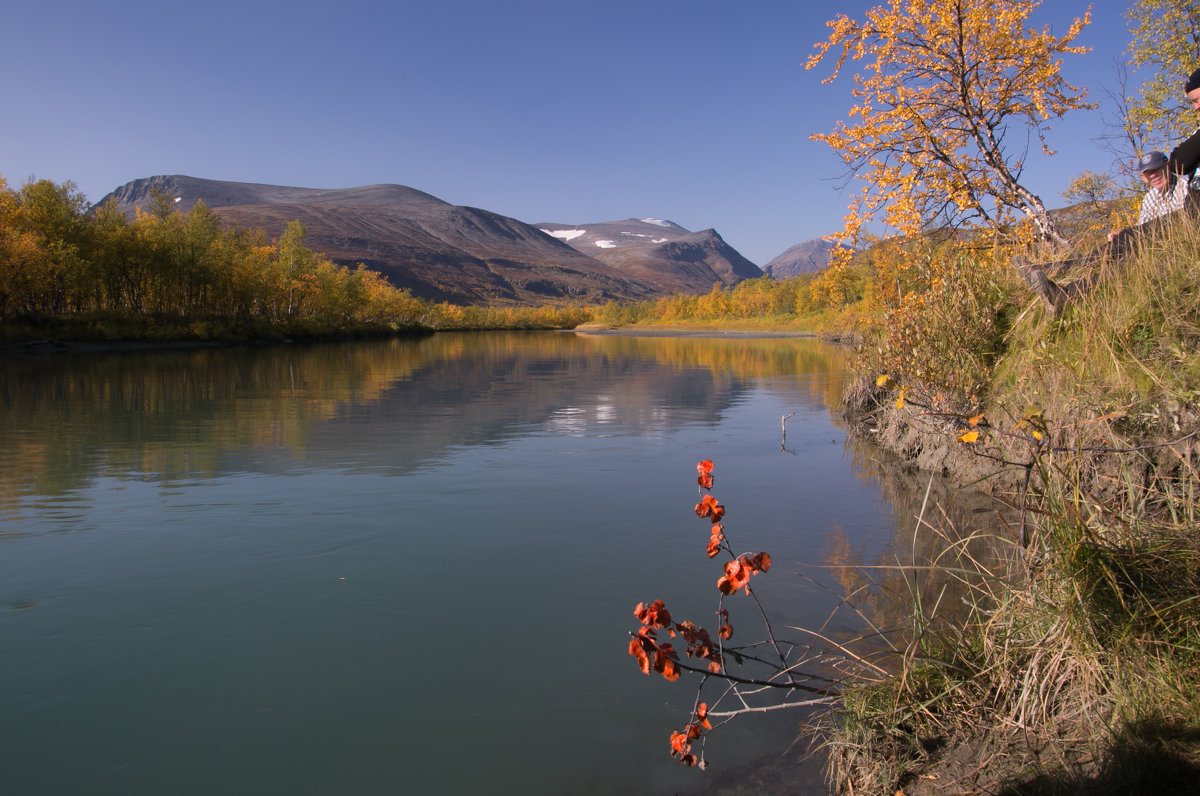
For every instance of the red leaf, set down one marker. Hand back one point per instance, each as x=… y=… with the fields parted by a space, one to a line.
x=708 y=507
x=664 y=663
x=705 y=467
x=635 y=649
x=654 y=615
x=736 y=576
x=762 y=562
x=679 y=743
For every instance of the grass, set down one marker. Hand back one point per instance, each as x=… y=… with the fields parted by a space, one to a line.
x=1064 y=658
x=1075 y=667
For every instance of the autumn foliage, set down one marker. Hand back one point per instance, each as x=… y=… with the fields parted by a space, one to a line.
x=943 y=83
x=651 y=646
x=61 y=259
x=1165 y=47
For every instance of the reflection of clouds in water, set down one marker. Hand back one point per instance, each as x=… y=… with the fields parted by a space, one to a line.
x=605 y=411
x=572 y=421
x=583 y=421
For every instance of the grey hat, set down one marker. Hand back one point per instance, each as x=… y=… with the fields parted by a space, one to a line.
x=1152 y=161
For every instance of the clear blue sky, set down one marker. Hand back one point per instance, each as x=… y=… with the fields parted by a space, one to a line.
x=697 y=111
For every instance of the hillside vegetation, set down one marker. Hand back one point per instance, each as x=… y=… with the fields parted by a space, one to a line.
x=71 y=274
x=1076 y=667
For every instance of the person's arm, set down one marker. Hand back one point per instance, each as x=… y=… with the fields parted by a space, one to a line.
x=1186 y=157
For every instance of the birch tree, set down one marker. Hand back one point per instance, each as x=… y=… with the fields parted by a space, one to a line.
x=951 y=95
x=1166 y=40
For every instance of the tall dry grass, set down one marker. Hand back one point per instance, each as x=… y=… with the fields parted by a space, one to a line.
x=1075 y=666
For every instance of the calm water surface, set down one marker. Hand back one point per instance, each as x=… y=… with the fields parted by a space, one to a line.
x=398 y=567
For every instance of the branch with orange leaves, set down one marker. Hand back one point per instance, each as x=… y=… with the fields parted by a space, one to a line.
x=658 y=655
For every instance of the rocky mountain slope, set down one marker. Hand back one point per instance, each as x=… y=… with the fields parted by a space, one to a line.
x=803 y=258
x=660 y=252
x=462 y=254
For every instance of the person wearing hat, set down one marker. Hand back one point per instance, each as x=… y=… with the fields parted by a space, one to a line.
x=1185 y=158
x=1168 y=191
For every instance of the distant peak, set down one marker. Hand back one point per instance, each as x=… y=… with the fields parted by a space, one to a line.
x=223 y=193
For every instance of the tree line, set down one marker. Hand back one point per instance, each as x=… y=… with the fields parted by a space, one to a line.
x=62 y=259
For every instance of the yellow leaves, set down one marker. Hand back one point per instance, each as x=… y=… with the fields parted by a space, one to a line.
x=1165 y=47
x=885 y=381
x=900 y=397
x=972 y=435
x=1037 y=425
x=938 y=77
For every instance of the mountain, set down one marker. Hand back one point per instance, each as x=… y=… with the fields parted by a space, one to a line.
x=803 y=258
x=446 y=252
x=660 y=252
x=439 y=251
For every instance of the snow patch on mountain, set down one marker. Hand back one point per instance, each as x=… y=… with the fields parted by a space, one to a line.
x=606 y=244
x=565 y=234
x=658 y=222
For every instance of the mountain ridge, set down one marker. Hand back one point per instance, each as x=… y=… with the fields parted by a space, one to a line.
x=805 y=257
x=458 y=253
x=659 y=250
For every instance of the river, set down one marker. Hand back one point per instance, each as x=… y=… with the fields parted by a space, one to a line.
x=405 y=566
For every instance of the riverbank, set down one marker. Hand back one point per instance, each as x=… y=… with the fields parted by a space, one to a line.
x=640 y=330
x=67 y=340
x=1076 y=667
x=45 y=346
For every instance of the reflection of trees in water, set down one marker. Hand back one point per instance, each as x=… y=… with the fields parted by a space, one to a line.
x=950 y=549
x=172 y=414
